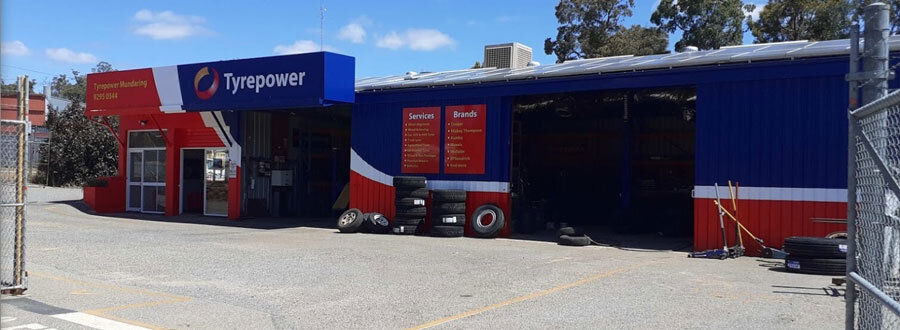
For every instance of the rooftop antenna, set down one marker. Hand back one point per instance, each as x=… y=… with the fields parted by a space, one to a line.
x=321 y=25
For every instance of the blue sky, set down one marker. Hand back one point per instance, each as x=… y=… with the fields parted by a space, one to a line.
x=44 y=38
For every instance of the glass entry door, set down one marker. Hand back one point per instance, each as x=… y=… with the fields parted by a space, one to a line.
x=216 y=183
x=146 y=172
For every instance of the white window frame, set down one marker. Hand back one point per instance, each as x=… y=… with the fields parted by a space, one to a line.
x=142 y=184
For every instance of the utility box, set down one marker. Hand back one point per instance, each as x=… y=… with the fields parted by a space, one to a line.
x=282 y=178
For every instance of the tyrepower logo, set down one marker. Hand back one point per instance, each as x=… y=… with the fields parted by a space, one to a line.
x=256 y=82
x=209 y=92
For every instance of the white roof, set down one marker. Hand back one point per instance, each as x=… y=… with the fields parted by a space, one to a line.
x=732 y=54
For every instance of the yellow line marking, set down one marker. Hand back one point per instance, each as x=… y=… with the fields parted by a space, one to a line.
x=81 y=292
x=102 y=312
x=529 y=296
x=110 y=286
x=136 y=305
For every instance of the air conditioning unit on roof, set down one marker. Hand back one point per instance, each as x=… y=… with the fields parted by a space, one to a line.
x=511 y=55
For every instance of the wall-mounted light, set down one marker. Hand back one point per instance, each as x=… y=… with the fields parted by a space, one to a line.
x=143 y=122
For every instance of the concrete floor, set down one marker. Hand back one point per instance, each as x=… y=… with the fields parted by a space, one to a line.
x=208 y=273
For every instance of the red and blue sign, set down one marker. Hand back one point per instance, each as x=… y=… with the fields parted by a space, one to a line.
x=265 y=83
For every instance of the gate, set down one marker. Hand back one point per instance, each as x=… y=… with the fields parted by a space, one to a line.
x=13 y=175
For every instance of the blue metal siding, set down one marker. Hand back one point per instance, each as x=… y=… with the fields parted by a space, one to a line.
x=377 y=133
x=773 y=133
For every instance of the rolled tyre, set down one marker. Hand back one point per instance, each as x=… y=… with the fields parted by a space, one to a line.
x=404 y=230
x=448 y=208
x=815 y=266
x=452 y=196
x=409 y=202
x=404 y=221
x=569 y=231
x=449 y=220
x=350 y=221
x=487 y=221
x=447 y=231
x=377 y=223
x=413 y=212
x=409 y=182
x=411 y=193
x=816 y=247
x=574 y=240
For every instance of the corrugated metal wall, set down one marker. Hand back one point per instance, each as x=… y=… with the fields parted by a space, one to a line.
x=784 y=133
x=256 y=146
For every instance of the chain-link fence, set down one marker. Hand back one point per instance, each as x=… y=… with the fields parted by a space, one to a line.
x=13 y=175
x=877 y=224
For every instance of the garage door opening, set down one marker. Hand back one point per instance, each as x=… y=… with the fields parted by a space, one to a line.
x=295 y=163
x=616 y=161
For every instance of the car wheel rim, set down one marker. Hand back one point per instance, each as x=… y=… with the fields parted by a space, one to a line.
x=347 y=218
x=487 y=215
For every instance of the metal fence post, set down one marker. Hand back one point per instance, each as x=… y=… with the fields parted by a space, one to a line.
x=850 y=293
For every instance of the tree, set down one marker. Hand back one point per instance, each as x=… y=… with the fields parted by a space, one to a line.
x=592 y=28
x=637 y=40
x=476 y=66
x=706 y=24
x=80 y=149
x=787 y=20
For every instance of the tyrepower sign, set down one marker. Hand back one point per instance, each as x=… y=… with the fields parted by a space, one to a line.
x=276 y=82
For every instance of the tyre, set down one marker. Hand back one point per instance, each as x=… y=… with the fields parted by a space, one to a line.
x=409 y=182
x=569 y=231
x=411 y=193
x=574 y=240
x=413 y=212
x=815 y=266
x=376 y=223
x=487 y=221
x=409 y=202
x=449 y=220
x=816 y=247
x=448 y=208
x=447 y=231
x=403 y=221
x=350 y=221
x=404 y=230
x=453 y=196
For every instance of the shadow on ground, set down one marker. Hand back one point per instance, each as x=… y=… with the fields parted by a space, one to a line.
x=602 y=235
x=244 y=222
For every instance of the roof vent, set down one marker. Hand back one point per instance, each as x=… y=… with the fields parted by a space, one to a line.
x=690 y=49
x=411 y=75
x=511 y=55
x=534 y=63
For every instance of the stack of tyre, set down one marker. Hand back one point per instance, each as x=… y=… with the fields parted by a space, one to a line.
x=448 y=213
x=816 y=255
x=409 y=198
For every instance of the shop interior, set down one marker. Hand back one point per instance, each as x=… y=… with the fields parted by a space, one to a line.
x=295 y=163
x=618 y=161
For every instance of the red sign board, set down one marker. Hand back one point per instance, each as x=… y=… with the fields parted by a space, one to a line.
x=421 y=140
x=132 y=92
x=465 y=139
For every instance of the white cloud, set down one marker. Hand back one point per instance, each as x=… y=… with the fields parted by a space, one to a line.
x=353 y=32
x=67 y=55
x=391 y=41
x=168 y=25
x=755 y=13
x=15 y=48
x=416 y=39
x=301 y=46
